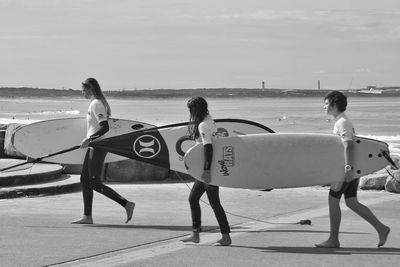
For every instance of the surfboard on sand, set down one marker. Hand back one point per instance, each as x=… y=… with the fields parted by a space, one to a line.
x=47 y=137
x=165 y=146
x=284 y=160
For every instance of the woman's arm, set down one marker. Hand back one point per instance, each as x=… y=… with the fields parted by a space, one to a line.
x=104 y=127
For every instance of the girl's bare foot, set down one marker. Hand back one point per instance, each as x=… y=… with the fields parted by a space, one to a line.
x=129 y=207
x=383 y=237
x=84 y=220
x=330 y=243
x=194 y=237
x=224 y=241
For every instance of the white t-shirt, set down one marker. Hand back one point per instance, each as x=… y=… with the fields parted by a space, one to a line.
x=344 y=127
x=207 y=130
x=96 y=113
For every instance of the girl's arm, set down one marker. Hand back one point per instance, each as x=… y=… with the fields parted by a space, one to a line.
x=104 y=127
x=208 y=154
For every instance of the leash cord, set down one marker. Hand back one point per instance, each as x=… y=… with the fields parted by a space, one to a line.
x=302 y=222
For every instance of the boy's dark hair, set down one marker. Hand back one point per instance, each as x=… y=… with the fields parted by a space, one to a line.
x=338 y=99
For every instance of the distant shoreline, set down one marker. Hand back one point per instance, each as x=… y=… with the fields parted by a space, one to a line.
x=27 y=92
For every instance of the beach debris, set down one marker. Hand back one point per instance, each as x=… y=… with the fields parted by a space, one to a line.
x=282 y=118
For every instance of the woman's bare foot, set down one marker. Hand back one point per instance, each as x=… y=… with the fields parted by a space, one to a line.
x=84 y=220
x=129 y=207
x=383 y=236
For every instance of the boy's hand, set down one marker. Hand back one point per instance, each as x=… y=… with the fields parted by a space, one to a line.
x=348 y=175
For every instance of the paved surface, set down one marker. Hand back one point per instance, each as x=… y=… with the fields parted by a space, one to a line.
x=37 y=231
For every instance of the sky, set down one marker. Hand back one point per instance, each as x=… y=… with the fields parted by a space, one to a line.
x=176 y=44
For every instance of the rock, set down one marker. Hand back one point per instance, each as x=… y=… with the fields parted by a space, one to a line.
x=132 y=171
x=180 y=177
x=72 y=168
x=375 y=181
x=393 y=182
x=9 y=148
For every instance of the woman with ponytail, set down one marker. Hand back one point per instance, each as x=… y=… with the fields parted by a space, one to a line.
x=97 y=125
x=202 y=129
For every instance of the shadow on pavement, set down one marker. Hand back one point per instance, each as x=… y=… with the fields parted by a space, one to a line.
x=335 y=251
x=294 y=231
x=136 y=226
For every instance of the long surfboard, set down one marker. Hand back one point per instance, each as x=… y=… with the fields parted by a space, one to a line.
x=46 y=137
x=166 y=146
x=284 y=160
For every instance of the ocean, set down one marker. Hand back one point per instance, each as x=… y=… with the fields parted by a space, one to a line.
x=374 y=117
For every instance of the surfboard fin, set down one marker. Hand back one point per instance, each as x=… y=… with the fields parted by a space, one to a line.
x=267 y=190
x=386 y=155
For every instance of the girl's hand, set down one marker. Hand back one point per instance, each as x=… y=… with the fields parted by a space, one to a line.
x=85 y=143
x=206 y=176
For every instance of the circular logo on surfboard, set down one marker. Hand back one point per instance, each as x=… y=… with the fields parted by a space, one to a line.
x=147 y=146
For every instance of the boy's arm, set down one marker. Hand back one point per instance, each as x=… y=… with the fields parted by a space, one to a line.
x=348 y=160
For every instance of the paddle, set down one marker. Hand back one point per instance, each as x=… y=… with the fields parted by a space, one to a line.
x=139 y=127
x=41 y=158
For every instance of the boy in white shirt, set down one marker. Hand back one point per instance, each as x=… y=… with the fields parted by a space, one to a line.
x=335 y=105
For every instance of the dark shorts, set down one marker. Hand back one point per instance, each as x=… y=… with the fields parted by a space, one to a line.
x=349 y=189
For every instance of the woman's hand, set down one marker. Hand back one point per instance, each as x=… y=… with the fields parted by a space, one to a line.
x=85 y=143
x=206 y=176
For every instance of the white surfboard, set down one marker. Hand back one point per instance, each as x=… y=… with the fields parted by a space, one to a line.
x=165 y=146
x=46 y=137
x=284 y=160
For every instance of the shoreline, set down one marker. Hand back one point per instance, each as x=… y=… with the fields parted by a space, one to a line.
x=32 y=93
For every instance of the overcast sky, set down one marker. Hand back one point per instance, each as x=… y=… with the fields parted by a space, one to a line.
x=201 y=43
